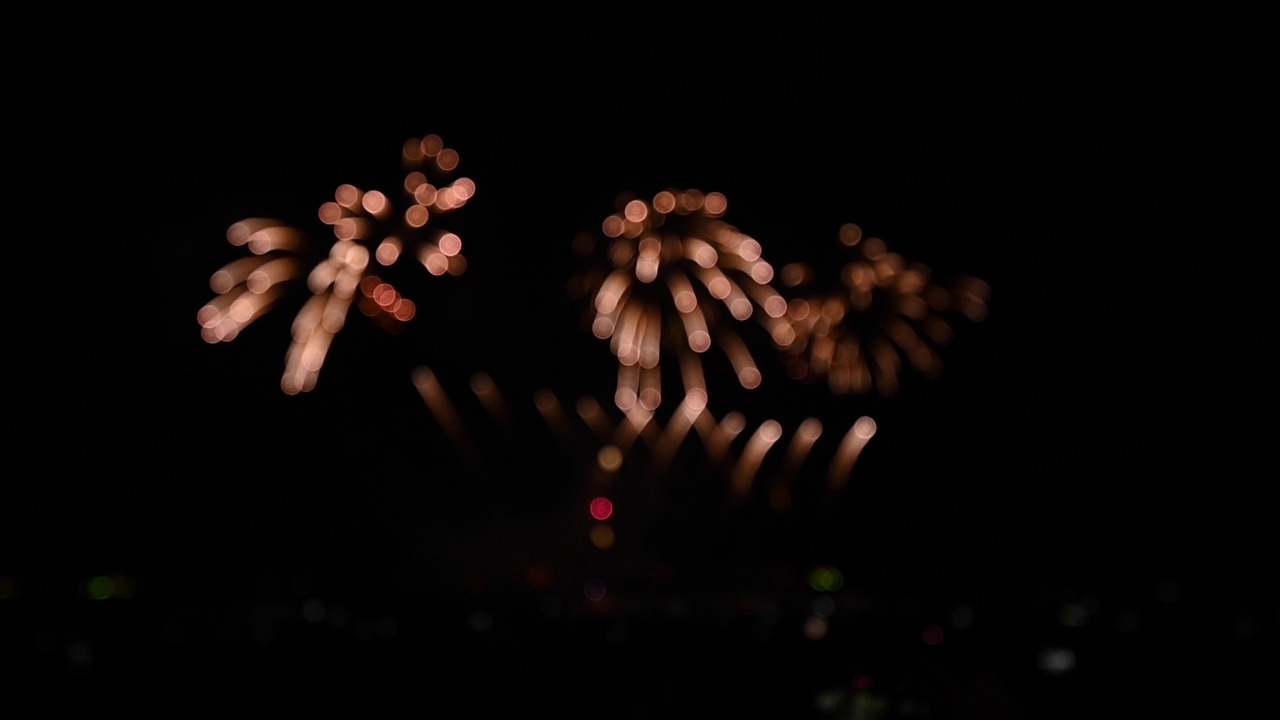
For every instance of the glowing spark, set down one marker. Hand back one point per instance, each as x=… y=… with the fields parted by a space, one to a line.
x=367 y=228
x=671 y=268
x=849 y=451
x=884 y=311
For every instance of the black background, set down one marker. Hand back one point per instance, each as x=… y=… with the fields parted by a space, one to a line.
x=1084 y=454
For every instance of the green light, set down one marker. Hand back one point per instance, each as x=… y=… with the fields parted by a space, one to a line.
x=826 y=579
x=101 y=588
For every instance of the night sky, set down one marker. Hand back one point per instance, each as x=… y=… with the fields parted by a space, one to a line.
x=1063 y=523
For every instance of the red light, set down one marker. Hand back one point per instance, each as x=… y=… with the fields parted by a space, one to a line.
x=601 y=508
x=932 y=635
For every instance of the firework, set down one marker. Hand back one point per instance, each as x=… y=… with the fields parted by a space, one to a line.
x=885 y=310
x=366 y=228
x=672 y=268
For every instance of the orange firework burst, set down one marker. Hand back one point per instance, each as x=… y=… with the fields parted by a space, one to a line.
x=885 y=310
x=360 y=219
x=673 y=267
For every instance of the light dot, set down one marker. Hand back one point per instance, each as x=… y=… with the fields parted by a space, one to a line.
x=1056 y=661
x=932 y=635
x=594 y=590
x=100 y=588
x=313 y=611
x=602 y=536
x=601 y=508
x=609 y=458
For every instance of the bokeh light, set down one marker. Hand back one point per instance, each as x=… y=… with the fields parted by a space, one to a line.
x=601 y=508
x=367 y=228
x=826 y=578
x=661 y=285
x=884 y=310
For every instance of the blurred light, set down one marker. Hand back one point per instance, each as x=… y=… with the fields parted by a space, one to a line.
x=100 y=588
x=602 y=536
x=79 y=653
x=815 y=628
x=1073 y=615
x=7 y=587
x=696 y=263
x=601 y=508
x=1245 y=628
x=356 y=217
x=609 y=458
x=932 y=635
x=480 y=622
x=1168 y=592
x=594 y=590
x=1056 y=661
x=884 y=312
x=313 y=611
x=123 y=586
x=962 y=617
x=826 y=579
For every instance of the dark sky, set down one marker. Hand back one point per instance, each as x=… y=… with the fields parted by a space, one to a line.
x=1079 y=450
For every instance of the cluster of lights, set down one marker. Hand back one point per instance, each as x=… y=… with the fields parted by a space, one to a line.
x=360 y=220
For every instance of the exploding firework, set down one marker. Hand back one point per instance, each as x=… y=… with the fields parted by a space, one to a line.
x=360 y=220
x=671 y=268
x=885 y=310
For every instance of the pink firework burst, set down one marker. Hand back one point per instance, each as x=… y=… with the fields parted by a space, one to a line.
x=670 y=270
x=366 y=228
x=884 y=310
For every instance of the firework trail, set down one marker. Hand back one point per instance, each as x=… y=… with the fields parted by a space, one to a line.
x=885 y=310
x=671 y=268
x=360 y=219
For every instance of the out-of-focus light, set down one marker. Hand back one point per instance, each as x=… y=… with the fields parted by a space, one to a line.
x=1073 y=615
x=850 y=234
x=123 y=586
x=886 y=314
x=815 y=628
x=609 y=458
x=864 y=428
x=594 y=590
x=100 y=587
x=480 y=622
x=601 y=508
x=313 y=611
x=695 y=262
x=7 y=587
x=932 y=635
x=962 y=617
x=359 y=219
x=826 y=579
x=1056 y=660
x=602 y=536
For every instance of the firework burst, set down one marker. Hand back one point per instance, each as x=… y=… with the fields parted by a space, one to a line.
x=366 y=229
x=885 y=310
x=671 y=269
